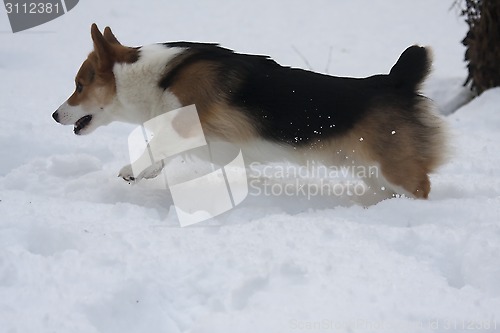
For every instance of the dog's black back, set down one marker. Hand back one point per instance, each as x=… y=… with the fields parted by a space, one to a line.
x=297 y=106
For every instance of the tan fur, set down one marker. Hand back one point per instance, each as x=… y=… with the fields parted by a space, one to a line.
x=96 y=73
x=197 y=84
x=229 y=124
x=98 y=87
x=109 y=51
x=406 y=147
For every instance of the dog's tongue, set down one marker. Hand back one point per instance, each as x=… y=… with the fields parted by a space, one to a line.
x=82 y=123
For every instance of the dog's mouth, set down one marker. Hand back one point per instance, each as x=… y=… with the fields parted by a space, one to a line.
x=82 y=123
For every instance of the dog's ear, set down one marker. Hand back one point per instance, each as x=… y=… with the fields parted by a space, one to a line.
x=103 y=49
x=110 y=37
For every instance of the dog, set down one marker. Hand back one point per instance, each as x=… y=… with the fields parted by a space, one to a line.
x=380 y=120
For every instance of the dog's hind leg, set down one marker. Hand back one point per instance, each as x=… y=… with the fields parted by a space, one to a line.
x=406 y=144
x=407 y=175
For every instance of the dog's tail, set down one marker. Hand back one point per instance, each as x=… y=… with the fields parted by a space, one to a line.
x=411 y=69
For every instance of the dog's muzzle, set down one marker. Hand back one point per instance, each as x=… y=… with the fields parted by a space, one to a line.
x=55 y=115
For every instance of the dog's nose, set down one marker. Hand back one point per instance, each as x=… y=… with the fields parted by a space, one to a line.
x=55 y=115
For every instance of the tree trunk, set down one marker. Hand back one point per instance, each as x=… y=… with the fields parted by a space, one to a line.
x=483 y=44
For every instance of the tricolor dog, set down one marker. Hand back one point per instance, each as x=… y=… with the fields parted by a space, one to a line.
x=243 y=99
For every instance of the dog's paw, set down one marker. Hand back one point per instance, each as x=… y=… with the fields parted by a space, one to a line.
x=152 y=171
x=127 y=174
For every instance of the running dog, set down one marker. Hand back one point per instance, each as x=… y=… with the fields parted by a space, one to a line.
x=379 y=120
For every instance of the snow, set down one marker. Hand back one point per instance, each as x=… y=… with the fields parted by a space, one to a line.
x=83 y=251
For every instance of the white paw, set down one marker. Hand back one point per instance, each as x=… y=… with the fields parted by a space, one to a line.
x=152 y=171
x=127 y=173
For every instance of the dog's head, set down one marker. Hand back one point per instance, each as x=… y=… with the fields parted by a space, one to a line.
x=92 y=103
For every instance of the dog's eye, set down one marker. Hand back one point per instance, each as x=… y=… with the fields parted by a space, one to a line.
x=79 y=87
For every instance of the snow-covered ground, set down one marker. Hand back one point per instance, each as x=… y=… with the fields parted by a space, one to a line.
x=83 y=251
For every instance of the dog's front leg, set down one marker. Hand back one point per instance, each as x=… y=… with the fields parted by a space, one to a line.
x=172 y=133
